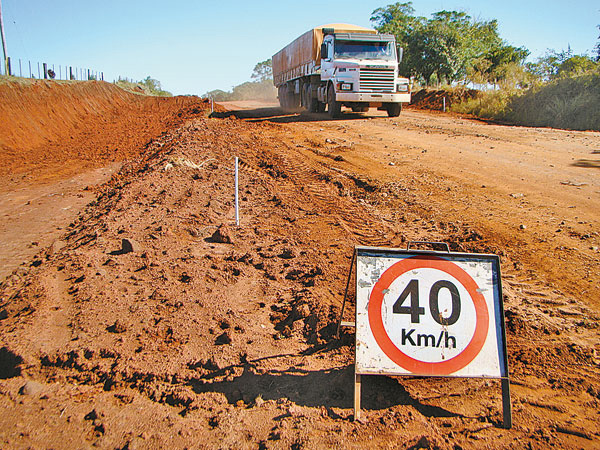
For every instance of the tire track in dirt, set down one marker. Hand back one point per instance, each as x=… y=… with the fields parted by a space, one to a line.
x=325 y=189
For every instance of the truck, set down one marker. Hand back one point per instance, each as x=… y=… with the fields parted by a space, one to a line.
x=339 y=65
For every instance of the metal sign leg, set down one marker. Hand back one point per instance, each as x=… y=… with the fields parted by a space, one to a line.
x=337 y=333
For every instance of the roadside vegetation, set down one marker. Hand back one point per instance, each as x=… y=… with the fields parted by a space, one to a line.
x=260 y=88
x=452 y=51
x=147 y=86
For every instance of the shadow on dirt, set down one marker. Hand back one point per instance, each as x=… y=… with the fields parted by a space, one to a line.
x=278 y=115
x=9 y=364
x=321 y=388
x=594 y=163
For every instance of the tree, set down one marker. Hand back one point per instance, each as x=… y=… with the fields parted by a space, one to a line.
x=506 y=62
x=597 y=48
x=451 y=46
x=575 y=65
x=561 y=64
x=263 y=71
x=398 y=19
x=153 y=86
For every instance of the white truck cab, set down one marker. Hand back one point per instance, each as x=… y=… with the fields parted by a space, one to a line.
x=361 y=70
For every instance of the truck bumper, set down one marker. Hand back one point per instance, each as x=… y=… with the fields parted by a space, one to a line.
x=368 y=97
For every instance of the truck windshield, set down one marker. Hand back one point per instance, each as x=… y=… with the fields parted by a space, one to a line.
x=364 y=50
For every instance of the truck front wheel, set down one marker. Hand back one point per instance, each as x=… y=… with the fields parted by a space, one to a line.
x=333 y=106
x=393 y=109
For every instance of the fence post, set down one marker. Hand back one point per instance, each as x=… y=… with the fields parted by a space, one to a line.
x=45 y=66
x=20 y=69
x=39 y=73
x=30 y=73
x=8 y=69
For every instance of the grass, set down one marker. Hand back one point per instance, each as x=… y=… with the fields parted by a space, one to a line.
x=570 y=103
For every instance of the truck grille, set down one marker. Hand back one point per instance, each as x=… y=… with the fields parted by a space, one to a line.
x=377 y=80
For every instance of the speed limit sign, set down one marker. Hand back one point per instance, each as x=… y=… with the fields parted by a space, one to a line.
x=429 y=314
x=425 y=313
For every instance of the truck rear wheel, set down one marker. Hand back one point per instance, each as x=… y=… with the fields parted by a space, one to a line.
x=334 y=107
x=281 y=96
x=393 y=109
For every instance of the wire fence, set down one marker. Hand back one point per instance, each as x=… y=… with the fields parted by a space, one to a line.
x=45 y=71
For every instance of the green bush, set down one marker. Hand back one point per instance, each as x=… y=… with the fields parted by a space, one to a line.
x=147 y=86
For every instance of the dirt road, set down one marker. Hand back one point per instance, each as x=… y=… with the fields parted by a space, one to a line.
x=534 y=191
x=157 y=323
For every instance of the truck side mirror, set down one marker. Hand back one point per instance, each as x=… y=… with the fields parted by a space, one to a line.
x=400 y=53
x=324 y=54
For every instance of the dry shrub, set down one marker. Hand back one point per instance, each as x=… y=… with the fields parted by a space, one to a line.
x=489 y=105
x=571 y=103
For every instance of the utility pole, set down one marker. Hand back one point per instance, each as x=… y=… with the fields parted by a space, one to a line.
x=3 y=40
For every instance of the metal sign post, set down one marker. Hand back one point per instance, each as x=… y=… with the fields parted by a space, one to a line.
x=429 y=313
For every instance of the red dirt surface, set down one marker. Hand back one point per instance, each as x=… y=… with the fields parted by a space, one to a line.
x=50 y=130
x=154 y=322
x=434 y=99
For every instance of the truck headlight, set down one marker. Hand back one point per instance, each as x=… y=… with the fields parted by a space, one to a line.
x=402 y=87
x=345 y=86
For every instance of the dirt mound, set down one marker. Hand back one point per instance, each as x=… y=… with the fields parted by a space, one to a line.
x=154 y=322
x=51 y=129
x=434 y=99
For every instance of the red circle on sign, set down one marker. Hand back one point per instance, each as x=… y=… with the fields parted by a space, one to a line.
x=398 y=356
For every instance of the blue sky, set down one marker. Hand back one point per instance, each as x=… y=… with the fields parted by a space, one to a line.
x=196 y=46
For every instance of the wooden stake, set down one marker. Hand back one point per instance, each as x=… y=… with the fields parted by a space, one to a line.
x=506 y=406
x=357 y=386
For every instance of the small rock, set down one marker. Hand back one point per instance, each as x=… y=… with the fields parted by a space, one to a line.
x=295 y=410
x=223 y=339
x=3 y=314
x=127 y=246
x=423 y=442
x=391 y=164
x=522 y=227
x=288 y=253
x=222 y=235
x=92 y=415
x=185 y=278
x=303 y=310
x=117 y=327
x=517 y=195
x=31 y=388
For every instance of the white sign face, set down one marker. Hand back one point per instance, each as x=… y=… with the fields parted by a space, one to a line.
x=429 y=314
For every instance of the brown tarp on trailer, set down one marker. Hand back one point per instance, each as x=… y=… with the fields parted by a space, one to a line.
x=307 y=48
